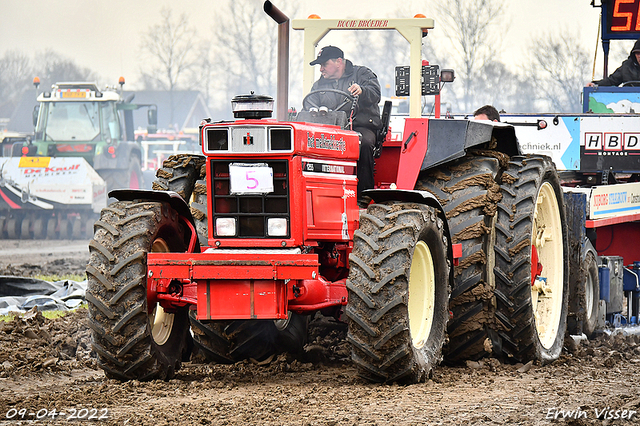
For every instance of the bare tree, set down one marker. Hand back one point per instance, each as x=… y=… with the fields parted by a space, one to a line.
x=244 y=49
x=382 y=51
x=171 y=46
x=472 y=29
x=16 y=74
x=559 y=68
x=505 y=90
x=17 y=71
x=55 y=68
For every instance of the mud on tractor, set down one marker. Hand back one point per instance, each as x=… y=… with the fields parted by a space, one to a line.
x=54 y=184
x=461 y=254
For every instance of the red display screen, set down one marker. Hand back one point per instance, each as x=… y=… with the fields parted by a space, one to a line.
x=623 y=16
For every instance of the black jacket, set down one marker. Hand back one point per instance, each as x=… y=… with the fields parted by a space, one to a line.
x=368 y=110
x=628 y=71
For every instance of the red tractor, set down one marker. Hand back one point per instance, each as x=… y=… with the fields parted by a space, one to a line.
x=263 y=230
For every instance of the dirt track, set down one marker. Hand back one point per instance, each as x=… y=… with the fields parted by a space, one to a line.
x=47 y=365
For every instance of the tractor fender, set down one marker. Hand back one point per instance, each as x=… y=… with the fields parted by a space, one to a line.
x=405 y=195
x=412 y=196
x=450 y=139
x=174 y=199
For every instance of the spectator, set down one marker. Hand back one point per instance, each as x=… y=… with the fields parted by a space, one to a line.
x=487 y=112
x=628 y=71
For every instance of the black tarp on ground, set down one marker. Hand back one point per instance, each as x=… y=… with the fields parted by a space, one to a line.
x=19 y=294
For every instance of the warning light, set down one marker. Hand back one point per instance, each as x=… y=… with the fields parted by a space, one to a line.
x=425 y=31
x=313 y=16
x=111 y=150
x=36 y=82
x=447 y=76
x=25 y=150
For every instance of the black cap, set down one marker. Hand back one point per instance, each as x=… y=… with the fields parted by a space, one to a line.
x=326 y=53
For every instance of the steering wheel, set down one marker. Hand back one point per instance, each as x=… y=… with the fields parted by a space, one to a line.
x=633 y=83
x=307 y=103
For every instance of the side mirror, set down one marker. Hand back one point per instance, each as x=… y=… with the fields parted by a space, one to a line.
x=34 y=114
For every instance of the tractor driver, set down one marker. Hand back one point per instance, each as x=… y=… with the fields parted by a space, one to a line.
x=339 y=73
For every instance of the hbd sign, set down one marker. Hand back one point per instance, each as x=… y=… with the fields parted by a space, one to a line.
x=611 y=141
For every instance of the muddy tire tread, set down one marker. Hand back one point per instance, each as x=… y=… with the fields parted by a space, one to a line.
x=471 y=225
x=516 y=326
x=378 y=330
x=178 y=174
x=116 y=292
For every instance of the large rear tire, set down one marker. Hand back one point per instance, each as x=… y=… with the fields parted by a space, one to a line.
x=179 y=173
x=469 y=194
x=199 y=210
x=132 y=339
x=532 y=263
x=398 y=289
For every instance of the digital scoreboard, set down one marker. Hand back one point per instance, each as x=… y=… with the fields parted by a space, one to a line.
x=620 y=19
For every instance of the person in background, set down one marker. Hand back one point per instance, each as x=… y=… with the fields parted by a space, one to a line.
x=487 y=112
x=628 y=71
x=340 y=74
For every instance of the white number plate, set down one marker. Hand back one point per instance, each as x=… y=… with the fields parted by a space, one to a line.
x=250 y=178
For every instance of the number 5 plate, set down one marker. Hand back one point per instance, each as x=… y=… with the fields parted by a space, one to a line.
x=250 y=178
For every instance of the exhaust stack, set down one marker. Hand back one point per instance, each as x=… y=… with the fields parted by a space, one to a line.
x=282 y=95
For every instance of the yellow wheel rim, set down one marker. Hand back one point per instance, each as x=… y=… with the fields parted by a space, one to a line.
x=161 y=322
x=547 y=290
x=422 y=295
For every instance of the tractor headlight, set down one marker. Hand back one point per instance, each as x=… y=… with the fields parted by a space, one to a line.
x=277 y=227
x=225 y=227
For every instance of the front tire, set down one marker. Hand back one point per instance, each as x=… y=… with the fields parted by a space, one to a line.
x=132 y=339
x=398 y=287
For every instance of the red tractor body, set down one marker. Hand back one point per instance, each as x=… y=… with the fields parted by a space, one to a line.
x=246 y=272
x=236 y=249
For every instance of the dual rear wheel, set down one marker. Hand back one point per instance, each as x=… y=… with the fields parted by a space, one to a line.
x=532 y=269
x=399 y=285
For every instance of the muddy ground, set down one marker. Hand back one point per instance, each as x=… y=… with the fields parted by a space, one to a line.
x=47 y=365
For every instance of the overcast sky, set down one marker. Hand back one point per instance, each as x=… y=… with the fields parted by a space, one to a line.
x=105 y=35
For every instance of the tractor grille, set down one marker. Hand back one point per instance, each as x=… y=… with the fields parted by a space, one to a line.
x=251 y=212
